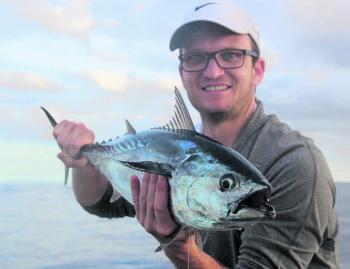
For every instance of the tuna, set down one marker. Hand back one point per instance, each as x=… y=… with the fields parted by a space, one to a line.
x=212 y=187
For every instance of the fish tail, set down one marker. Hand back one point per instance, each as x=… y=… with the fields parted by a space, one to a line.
x=53 y=124
x=48 y=115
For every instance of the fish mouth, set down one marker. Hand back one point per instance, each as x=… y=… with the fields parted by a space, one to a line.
x=258 y=203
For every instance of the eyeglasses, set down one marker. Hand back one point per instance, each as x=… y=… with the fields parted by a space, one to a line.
x=226 y=59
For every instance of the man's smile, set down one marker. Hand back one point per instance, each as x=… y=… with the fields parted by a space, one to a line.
x=215 y=88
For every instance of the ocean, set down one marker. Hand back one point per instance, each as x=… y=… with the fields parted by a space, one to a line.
x=42 y=227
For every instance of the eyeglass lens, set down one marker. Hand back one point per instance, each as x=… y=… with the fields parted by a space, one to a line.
x=225 y=59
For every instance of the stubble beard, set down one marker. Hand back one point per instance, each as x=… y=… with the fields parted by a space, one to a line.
x=218 y=117
x=232 y=113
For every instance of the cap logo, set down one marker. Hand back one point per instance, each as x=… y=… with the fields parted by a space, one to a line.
x=199 y=7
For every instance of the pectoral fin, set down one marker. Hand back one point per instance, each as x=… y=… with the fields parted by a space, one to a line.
x=115 y=196
x=150 y=167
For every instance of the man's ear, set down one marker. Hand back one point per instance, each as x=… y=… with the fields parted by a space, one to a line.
x=258 y=71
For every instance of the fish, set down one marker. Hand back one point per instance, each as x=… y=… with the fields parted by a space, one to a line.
x=211 y=187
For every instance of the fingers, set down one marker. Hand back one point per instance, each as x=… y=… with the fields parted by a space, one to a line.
x=135 y=193
x=161 y=199
x=143 y=197
x=151 y=204
x=152 y=187
x=71 y=137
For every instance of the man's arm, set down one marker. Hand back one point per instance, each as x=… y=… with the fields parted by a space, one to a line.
x=89 y=186
x=92 y=189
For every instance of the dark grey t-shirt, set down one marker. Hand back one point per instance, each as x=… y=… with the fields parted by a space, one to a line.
x=304 y=234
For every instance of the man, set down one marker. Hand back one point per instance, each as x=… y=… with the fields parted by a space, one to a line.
x=220 y=68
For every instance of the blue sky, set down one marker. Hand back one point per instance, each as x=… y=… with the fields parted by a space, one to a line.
x=99 y=62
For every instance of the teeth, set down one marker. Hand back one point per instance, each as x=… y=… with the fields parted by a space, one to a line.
x=215 y=88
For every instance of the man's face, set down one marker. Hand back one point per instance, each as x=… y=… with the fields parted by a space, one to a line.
x=218 y=91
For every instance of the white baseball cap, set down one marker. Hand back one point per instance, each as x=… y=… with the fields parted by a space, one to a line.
x=221 y=12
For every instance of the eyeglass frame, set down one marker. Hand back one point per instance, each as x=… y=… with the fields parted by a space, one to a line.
x=212 y=55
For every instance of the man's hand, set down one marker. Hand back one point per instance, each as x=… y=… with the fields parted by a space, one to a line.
x=151 y=205
x=71 y=137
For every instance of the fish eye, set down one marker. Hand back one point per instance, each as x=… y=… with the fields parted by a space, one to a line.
x=227 y=182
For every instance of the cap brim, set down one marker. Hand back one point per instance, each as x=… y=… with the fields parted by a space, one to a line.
x=185 y=30
x=177 y=38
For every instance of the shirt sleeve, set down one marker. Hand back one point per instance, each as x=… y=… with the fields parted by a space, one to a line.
x=303 y=197
x=117 y=209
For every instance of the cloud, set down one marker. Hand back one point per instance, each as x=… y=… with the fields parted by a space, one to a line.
x=23 y=124
x=26 y=81
x=308 y=95
x=307 y=64
x=109 y=80
x=109 y=57
x=321 y=17
x=66 y=16
x=116 y=81
x=323 y=27
x=144 y=99
x=144 y=6
x=107 y=23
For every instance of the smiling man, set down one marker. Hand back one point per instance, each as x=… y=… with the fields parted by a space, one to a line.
x=220 y=67
x=220 y=78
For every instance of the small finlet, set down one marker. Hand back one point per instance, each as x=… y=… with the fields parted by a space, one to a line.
x=48 y=115
x=66 y=174
x=129 y=128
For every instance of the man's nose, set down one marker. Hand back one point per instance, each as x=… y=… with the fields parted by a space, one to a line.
x=213 y=70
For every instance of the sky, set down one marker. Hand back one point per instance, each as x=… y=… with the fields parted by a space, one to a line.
x=99 y=62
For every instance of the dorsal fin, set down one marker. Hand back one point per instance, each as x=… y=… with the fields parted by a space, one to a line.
x=129 y=128
x=181 y=119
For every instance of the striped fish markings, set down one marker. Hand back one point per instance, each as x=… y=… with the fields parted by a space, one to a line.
x=212 y=187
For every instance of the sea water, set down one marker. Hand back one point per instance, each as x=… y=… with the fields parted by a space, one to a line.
x=43 y=227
